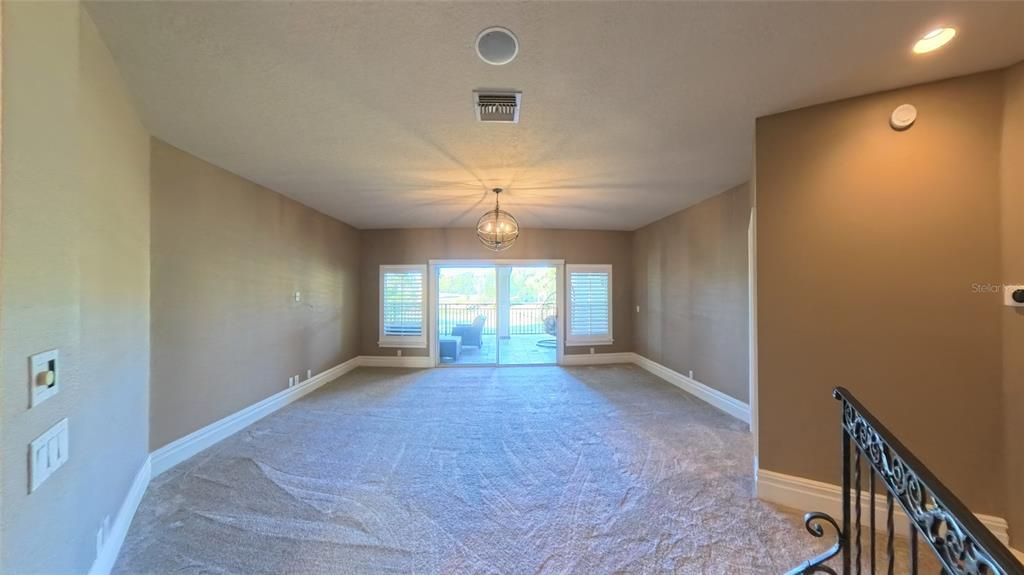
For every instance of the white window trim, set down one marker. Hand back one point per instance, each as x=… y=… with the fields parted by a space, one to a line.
x=406 y=341
x=571 y=340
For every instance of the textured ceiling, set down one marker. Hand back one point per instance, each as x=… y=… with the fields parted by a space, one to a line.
x=631 y=110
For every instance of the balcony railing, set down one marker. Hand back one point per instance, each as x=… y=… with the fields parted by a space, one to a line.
x=523 y=319
x=871 y=453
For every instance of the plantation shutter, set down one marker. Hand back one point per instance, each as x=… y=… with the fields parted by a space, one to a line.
x=590 y=307
x=402 y=306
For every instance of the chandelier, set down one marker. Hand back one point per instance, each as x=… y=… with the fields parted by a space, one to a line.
x=497 y=229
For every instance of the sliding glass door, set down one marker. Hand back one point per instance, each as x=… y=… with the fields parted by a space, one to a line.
x=528 y=314
x=467 y=321
x=496 y=314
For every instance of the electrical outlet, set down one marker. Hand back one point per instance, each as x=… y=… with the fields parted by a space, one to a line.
x=291 y=381
x=102 y=534
x=591 y=351
x=691 y=374
x=398 y=353
x=309 y=373
x=298 y=296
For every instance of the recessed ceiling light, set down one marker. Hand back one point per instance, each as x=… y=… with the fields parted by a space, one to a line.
x=934 y=40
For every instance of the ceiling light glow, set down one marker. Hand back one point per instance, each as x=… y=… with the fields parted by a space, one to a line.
x=934 y=40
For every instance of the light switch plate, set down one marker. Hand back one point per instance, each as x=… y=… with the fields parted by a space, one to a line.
x=47 y=453
x=39 y=365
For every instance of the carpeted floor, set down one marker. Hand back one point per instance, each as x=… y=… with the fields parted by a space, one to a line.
x=586 y=470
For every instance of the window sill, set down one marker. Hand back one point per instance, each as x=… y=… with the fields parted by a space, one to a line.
x=584 y=343
x=403 y=344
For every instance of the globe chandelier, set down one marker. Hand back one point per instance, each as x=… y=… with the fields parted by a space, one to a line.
x=497 y=229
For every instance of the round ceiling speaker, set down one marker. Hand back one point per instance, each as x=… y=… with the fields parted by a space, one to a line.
x=497 y=46
x=903 y=117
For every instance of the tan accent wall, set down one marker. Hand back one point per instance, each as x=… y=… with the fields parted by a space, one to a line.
x=74 y=275
x=691 y=282
x=1012 y=186
x=419 y=246
x=227 y=257
x=869 y=244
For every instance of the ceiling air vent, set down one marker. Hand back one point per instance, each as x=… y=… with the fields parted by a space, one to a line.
x=500 y=107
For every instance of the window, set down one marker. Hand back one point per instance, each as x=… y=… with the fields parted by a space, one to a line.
x=402 y=304
x=590 y=305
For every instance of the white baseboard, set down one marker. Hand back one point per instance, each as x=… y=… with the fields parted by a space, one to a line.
x=806 y=495
x=179 y=450
x=715 y=398
x=417 y=362
x=425 y=362
x=104 y=562
x=597 y=358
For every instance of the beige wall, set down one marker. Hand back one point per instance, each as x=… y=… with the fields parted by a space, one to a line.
x=418 y=246
x=1012 y=186
x=227 y=257
x=690 y=280
x=75 y=276
x=869 y=242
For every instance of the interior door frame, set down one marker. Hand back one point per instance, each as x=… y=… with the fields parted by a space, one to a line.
x=432 y=292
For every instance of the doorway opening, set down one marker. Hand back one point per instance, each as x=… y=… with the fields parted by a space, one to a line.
x=488 y=313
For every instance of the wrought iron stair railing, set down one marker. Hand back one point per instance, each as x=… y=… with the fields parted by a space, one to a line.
x=962 y=545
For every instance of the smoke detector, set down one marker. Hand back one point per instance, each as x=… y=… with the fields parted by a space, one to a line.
x=497 y=107
x=497 y=46
x=903 y=117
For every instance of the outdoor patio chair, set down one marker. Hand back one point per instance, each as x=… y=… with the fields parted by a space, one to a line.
x=471 y=333
x=550 y=328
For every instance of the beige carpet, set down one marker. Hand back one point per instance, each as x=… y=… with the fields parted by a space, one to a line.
x=585 y=470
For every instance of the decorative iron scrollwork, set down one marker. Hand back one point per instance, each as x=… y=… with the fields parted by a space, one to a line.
x=961 y=543
x=813 y=523
x=953 y=543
